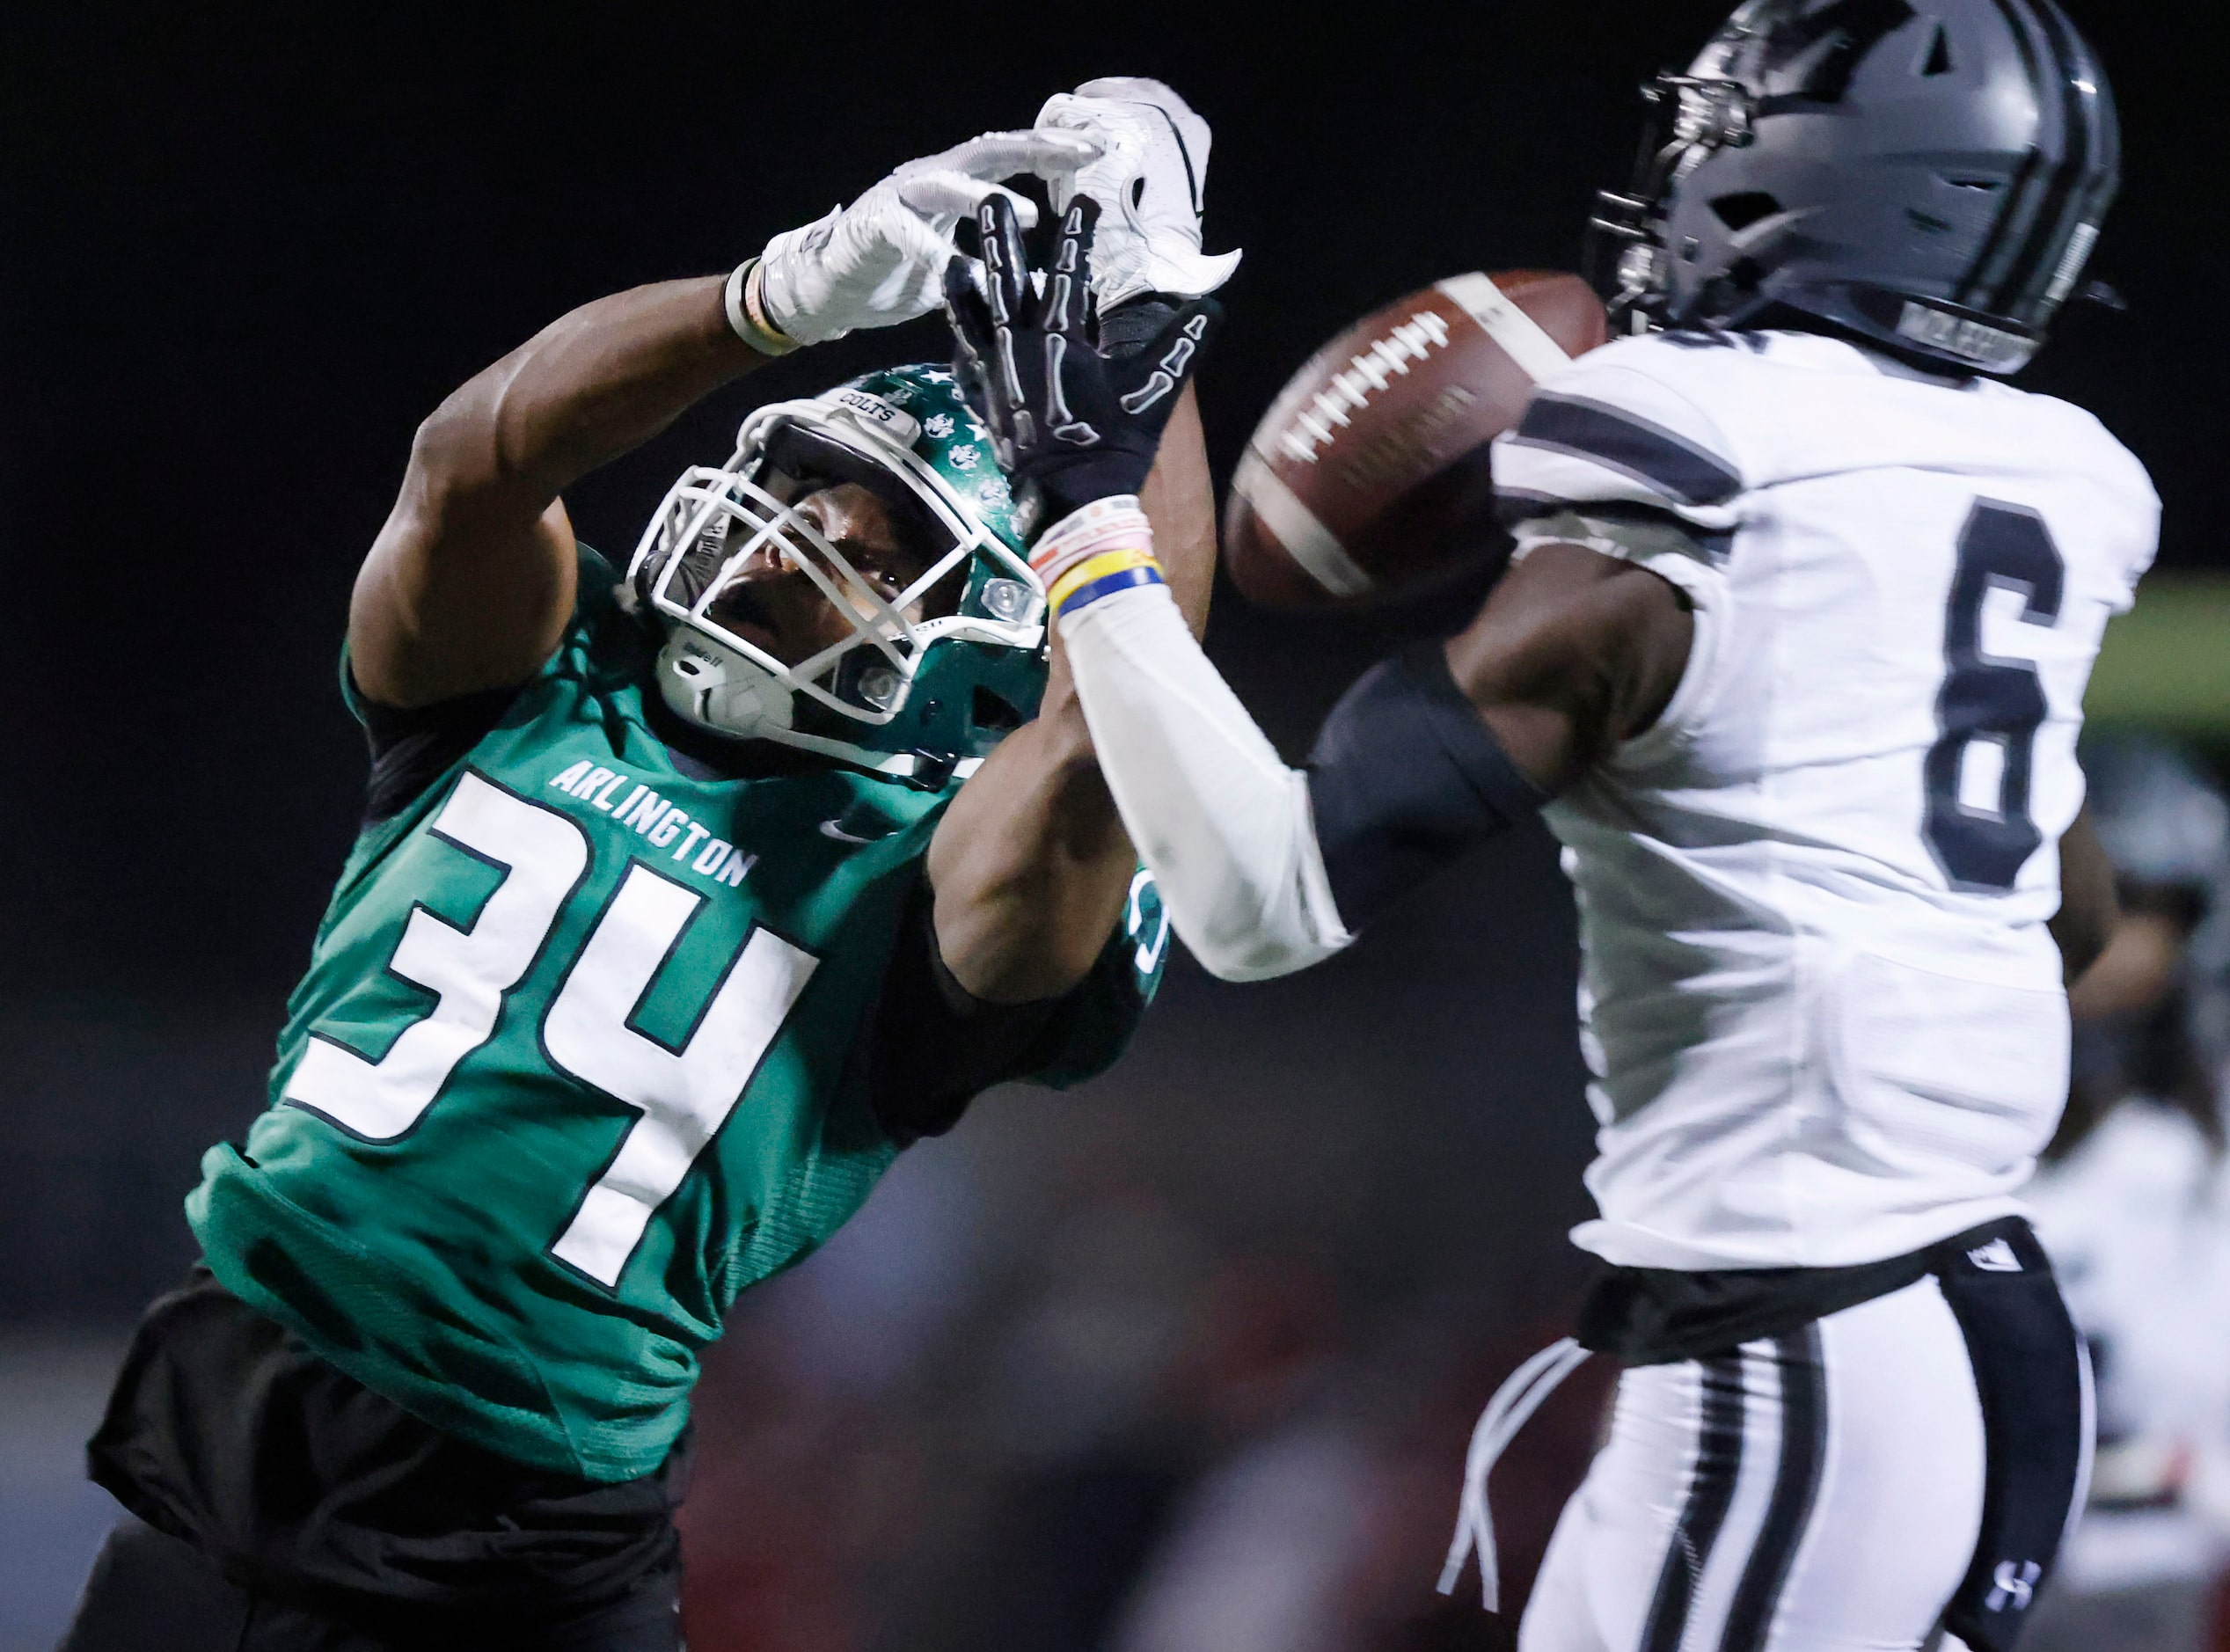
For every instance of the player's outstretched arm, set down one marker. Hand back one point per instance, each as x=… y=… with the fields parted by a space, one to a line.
x=1031 y=864
x=470 y=584
x=1075 y=428
x=1263 y=869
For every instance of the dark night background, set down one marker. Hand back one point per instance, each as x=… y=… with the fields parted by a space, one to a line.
x=248 y=248
x=244 y=249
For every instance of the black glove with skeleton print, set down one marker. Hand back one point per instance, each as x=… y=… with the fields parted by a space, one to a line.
x=1069 y=424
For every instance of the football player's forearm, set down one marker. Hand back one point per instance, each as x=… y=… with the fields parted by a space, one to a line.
x=1264 y=869
x=1223 y=822
x=470 y=582
x=1032 y=876
x=1179 y=500
x=593 y=386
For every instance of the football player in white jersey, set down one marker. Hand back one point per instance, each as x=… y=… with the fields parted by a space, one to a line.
x=1792 y=658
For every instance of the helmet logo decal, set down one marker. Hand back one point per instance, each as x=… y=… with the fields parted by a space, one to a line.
x=874 y=410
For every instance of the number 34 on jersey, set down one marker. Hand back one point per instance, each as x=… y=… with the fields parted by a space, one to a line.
x=683 y=1093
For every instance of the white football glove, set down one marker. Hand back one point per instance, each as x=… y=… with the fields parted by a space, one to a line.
x=1149 y=180
x=881 y=260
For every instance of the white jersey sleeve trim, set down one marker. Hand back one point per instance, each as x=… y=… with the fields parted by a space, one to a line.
x=1609 y=432
x=1701 y=678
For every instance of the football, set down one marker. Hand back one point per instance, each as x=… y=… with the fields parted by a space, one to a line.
x=1368 y=478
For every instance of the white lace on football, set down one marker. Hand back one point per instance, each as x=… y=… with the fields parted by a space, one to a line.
x=1149 y=180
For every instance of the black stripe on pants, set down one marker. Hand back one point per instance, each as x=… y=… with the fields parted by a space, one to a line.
x=1711 y=1488
x=1803 y=1446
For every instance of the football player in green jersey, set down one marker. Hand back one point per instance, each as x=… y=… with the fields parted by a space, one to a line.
x=683 y=900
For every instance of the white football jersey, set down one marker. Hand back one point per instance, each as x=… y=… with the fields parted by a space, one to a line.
x=1819 y=1000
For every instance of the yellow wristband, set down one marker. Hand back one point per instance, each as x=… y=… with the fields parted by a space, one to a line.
x=1093 y=569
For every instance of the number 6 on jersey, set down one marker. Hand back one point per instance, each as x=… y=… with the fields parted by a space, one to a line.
x=2000 y=702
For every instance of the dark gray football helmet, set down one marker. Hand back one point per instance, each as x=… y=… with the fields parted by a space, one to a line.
x=2163 y=822
x=1927 y=174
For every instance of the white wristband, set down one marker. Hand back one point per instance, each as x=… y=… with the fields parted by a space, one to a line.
x=1105 y=546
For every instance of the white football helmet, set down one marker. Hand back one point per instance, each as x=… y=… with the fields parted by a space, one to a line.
x=918 y=699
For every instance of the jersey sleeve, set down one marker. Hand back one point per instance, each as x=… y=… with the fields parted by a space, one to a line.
x=1617 y=436
x=1619 y=456
x=2143 y=512
x=1094 y=1023
x=412 y=748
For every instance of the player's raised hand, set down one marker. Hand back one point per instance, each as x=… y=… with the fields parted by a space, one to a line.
x=1150 y=179
x=879 y=260
x=1069 y=424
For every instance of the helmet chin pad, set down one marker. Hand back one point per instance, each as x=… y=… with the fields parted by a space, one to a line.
x=718 y=689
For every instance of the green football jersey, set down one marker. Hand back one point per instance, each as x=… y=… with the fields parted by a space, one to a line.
x=580 y=1054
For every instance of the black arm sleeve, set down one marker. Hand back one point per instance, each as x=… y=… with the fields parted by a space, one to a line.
x=1405 y=779
x=411 y=750
x=935 y=1046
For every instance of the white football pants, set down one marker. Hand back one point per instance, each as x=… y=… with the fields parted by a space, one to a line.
x=1815 y=1492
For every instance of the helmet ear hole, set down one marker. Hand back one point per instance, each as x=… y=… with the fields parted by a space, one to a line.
x=1739 y=212
x=993 y=713
x=1939 y=60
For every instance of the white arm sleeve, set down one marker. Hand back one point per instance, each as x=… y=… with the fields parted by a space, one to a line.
x=1224 y=824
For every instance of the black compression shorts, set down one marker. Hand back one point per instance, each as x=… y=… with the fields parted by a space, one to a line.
x=279 y=1494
